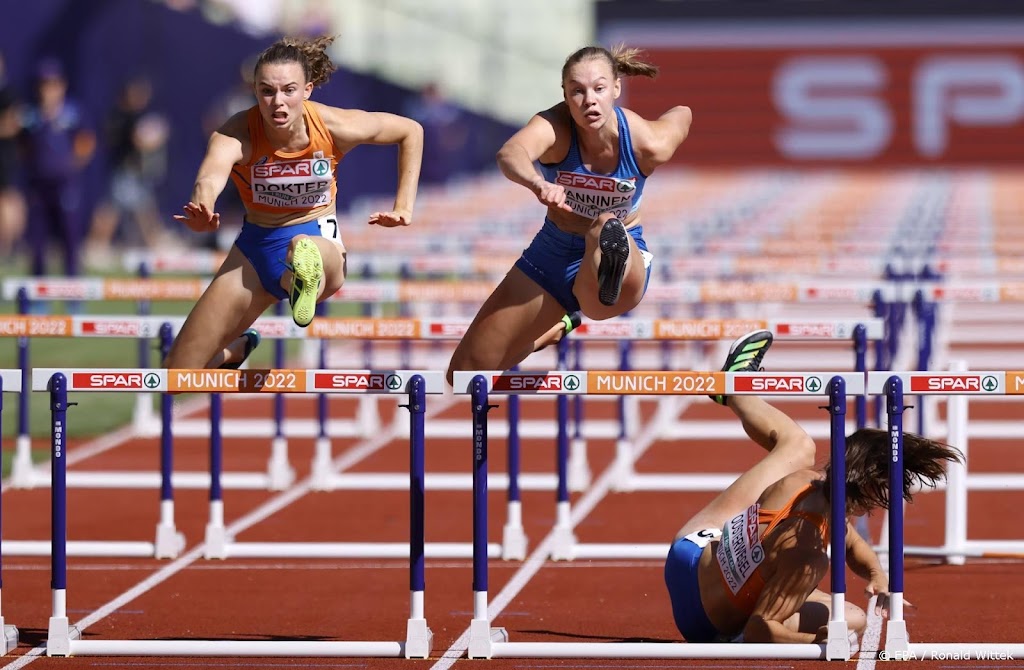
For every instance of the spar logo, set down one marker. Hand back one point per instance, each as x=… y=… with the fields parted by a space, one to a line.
x=110 y=380
x=535 y=382
x=356 y=381
x=776 y=384
x=954 y=384
x=302 y=168
x=595 y=183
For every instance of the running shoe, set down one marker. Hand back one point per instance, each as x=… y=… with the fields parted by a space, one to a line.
x=252 y=340
x=307 y=272
x=614 y=253
x=745 y=355
x=571 y=322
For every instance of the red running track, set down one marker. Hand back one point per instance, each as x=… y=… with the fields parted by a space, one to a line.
x=317 y=599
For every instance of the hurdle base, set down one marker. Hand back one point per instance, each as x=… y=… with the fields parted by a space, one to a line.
x=837 y=646
x=578 y=474
x=280 y=473
x=419 y=639
x=23 y=473
x=59 y=635
x=215 y=542
x=10 y=639
x=897 y=643
x=622 y=479
x=169 y=542
x=482 y=637
x=321 y=472
x=563 y=544
x=513 y=543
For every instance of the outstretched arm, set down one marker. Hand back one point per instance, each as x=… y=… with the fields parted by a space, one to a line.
x=864 y=562
x=223 y=151
x=352 y=127
x=516 y=160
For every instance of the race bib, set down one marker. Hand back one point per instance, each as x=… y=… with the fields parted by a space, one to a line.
x=702 y=538
x=591 y=195
x=292 y=184
x=740 y=552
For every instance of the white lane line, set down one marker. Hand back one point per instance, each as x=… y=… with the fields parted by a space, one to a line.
x=870 y=639
x=301 y=488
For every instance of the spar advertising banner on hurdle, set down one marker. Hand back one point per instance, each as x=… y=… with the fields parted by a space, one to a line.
x=844 y=91
x=1002 y=382
x=338 y=328
x=238 y=381
x=640 y=382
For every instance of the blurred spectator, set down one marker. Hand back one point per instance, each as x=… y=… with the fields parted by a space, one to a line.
x=12 y=204
x=136 y=138
x=444 y=134
x=58 y=145
x=239 y=98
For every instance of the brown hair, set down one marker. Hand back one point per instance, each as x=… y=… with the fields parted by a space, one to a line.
x=310 y=54
x=868 y=454
x=623 y=61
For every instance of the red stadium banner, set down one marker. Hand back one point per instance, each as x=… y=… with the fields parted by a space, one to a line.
x=883 y=93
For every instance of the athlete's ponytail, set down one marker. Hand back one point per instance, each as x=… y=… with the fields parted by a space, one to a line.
x=623 y=60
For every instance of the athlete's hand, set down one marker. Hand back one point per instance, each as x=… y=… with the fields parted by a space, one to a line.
x=391 y=219
x=878 y=588
x=199 y=218
x=550 y=195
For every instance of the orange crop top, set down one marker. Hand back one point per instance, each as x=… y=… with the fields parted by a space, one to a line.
x=740 y=553
x=288 y=187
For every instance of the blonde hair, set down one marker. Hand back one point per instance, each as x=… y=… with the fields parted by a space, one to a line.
x=624 y=61
x=310 y=54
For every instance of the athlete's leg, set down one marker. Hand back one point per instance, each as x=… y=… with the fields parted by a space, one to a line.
x=817 y=611
x=789 y=447
x=556 y=333
x=587 y=288
x=509 y=324
x=230 y=304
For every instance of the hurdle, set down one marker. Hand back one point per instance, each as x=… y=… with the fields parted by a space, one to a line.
x=10 y=382
x=488 y=642
x=24 y=474
x=897 y=641
x=63 y=639
x=959 y=385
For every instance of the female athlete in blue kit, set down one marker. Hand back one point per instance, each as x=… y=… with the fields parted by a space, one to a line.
x=586 y=160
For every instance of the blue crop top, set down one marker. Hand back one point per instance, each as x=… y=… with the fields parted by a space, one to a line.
x=590 y=193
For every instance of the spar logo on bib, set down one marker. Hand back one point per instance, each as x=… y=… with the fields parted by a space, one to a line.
x=590 y=194
x=292 y=184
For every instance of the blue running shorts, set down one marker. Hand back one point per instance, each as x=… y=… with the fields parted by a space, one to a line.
x=553 y=259
x=266 y=248
x=684 y=590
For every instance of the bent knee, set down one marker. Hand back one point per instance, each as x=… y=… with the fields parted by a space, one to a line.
x=801 y=450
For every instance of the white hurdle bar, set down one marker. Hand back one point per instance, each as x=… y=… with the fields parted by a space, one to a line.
x=488 y=642
x=959 y=385
x=63 y=639
x=10 y=382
